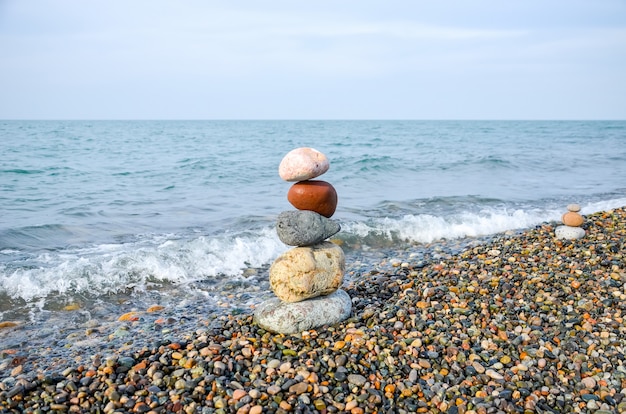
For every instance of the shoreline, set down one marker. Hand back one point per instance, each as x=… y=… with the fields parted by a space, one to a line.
x=521 y=323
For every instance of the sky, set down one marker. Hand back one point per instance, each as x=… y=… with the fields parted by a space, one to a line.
x=340 y=59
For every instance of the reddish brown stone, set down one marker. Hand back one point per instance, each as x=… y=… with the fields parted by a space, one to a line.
x=314 y=195
x=572 y=219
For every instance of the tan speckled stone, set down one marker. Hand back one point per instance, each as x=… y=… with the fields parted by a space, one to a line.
x=306 y=272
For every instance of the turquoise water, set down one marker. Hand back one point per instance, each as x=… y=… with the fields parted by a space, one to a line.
x=96 y=209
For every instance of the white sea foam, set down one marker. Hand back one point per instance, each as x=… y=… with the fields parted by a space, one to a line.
x=111 y=268
x=603 y=205
x=426 y=228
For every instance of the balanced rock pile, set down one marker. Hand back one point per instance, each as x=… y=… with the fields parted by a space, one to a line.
x=572 y=220
x=306 y=278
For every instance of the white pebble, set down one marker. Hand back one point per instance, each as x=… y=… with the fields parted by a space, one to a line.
x=494 y=375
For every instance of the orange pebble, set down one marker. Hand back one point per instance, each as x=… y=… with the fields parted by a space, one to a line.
x=129 y=316
x=140 y=366
x=239 y=394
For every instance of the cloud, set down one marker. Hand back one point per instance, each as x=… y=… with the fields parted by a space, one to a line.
x=110 y=54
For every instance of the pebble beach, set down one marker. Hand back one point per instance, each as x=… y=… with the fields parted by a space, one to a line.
x=521 y=323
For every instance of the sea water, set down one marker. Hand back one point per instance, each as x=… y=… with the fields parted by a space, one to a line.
x=112 y=212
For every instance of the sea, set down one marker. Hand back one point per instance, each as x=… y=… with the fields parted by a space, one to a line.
x=104 y=217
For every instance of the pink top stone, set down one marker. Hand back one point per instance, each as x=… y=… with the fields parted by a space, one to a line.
x=303 y=164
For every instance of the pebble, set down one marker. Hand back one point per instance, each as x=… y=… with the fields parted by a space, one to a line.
x=588 y=383
x=299 y=388
x=494 y=374
x=273 y=389
x=356 y=379
x=563 y=350
x=478 y=367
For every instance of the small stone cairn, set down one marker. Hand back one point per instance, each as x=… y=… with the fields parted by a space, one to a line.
x=306 y=278
x=572 y=220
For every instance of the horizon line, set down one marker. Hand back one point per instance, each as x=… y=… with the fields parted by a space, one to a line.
x=311 y=119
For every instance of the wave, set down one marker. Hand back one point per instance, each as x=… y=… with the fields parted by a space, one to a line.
x=477 y=163
x=111 y=268
x=428 y=228
x=55 y=237
x=375 y=163
x=51 y=171
x=21 y=171
x=151 y=261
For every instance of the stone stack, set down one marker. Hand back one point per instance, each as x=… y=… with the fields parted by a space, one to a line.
x=572 y=220
x=306 y=278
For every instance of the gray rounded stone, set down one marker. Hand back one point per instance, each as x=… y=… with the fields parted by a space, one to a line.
x=304 y=228
x=569 y=232
x=575 y=208
x=289 y=318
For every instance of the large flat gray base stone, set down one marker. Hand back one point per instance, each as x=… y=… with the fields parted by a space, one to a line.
x=288 y=318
